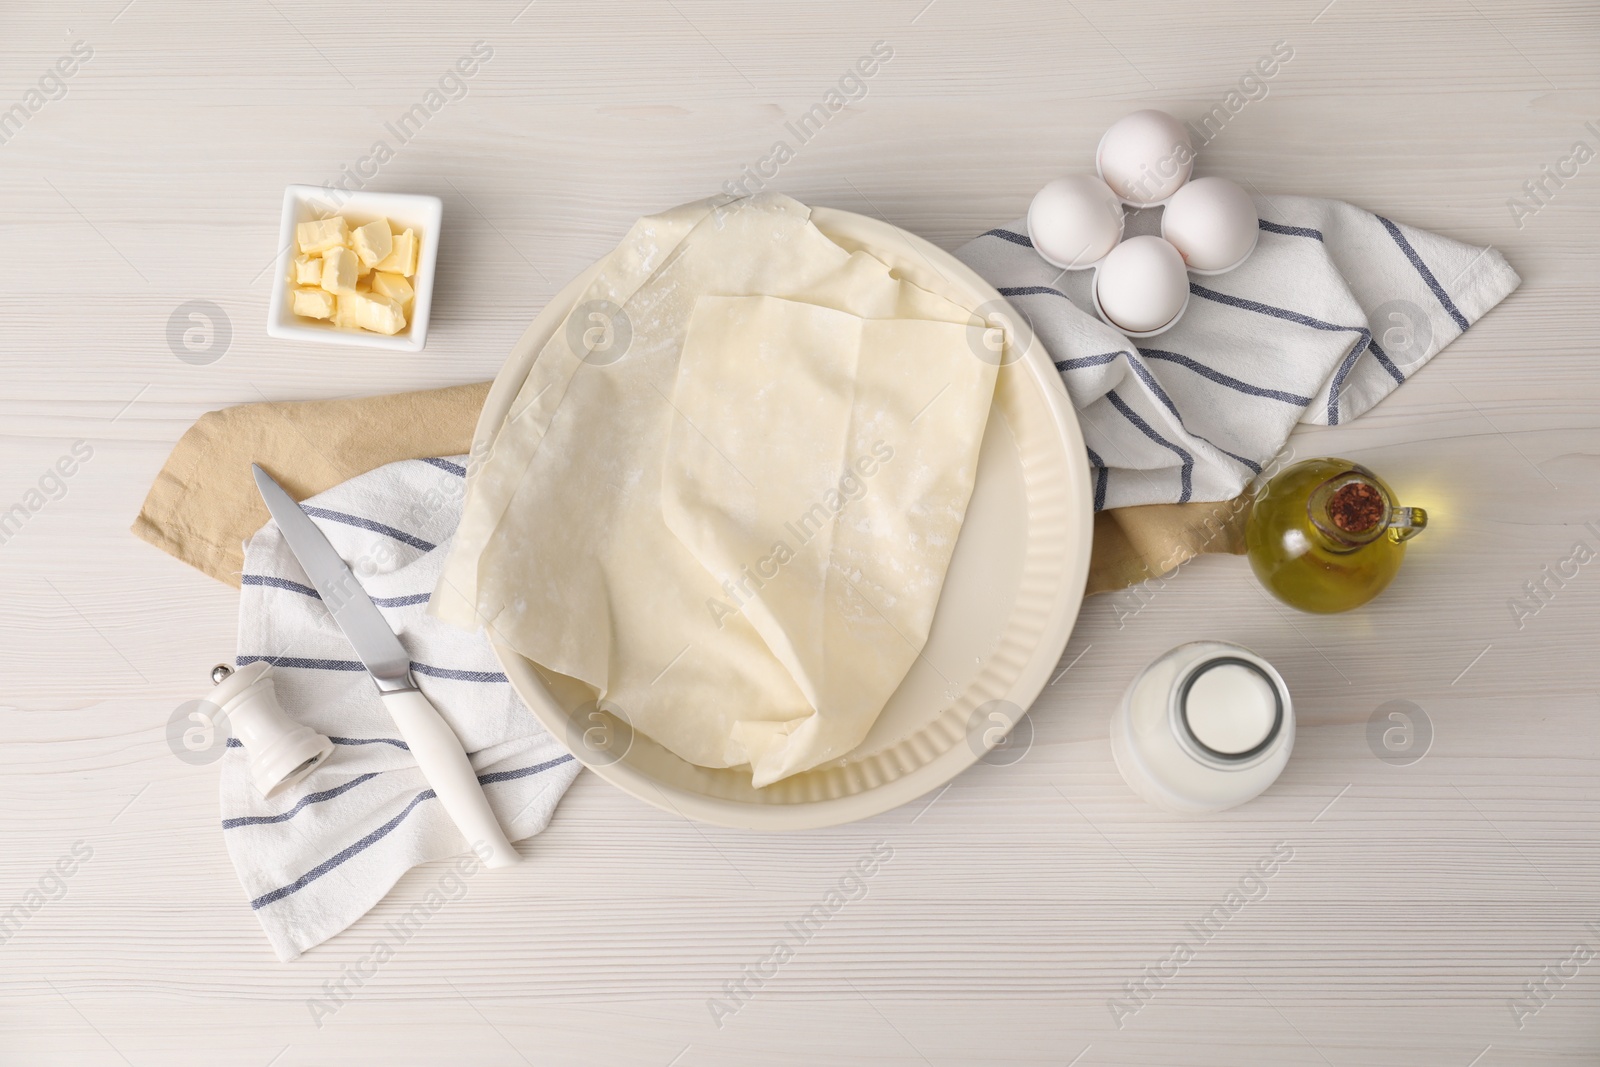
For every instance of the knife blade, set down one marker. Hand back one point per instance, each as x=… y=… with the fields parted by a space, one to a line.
x=363 y=624
x=435 y=746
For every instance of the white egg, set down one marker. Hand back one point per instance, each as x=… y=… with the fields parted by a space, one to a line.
x=1073 y=222
x=1145 y=157
x=1212 y=223
x=1141 y=287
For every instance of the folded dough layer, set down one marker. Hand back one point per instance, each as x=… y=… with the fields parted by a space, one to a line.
x=820 y=472
x=599 y=530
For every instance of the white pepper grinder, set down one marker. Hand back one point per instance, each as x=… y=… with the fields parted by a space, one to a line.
x=280 y=750
x=1204 y=728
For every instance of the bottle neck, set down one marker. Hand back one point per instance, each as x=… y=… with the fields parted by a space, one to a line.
x=1350 y=510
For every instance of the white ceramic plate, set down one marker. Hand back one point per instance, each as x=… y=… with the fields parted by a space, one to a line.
x=1009 y=602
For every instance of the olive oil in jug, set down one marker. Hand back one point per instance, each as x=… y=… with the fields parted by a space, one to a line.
x=1326 y=535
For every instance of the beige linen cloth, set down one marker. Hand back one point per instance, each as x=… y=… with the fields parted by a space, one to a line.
x=204 y=504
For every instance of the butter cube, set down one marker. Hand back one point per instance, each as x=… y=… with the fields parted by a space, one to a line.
x=344 y=313
x=314 y=303
x=355 y=277
x=339 y=270
x=402 y=257
x=393 y=286
x=372 y=242
x=308 y=270
x=322 y=234
x=376 y=313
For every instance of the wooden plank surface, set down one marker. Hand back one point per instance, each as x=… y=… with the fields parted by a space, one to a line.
x=1419 y=900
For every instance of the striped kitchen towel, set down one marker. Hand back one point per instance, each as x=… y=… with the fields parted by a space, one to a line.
x=1335 y=309
x=317 y=857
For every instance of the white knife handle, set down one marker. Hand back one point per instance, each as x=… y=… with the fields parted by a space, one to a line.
x=444 y=764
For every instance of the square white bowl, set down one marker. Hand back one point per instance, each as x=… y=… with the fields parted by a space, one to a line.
x=303 y=203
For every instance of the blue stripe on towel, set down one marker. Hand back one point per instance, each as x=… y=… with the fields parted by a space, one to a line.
x=521 y=772
x=1275 y=312
x=445 y=465
x=234 y=742
x=306 y=590
x=1224 y=379
x=1387 y=363
x=1150 y=381
x=304 y=664
x=460 y=676
x=1006 y=235
x=1154 y=386
x=279 y=583
x=1198 y=368
x=309 y=798
x=1088 y=361
x=395 y=741
x=368 y=524
x=1427 y=275
x=1186 y=473
x=1304 y=320
x=1100 y=477
x=1290 y=231
x=383 y=831
x=1340 y=375
x=1032 y=290
x=401 y=601
x=357 y=665
x=333 y=861
x=1250 y=463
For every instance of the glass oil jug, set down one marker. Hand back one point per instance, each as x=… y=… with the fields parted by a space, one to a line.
x=1326 y=535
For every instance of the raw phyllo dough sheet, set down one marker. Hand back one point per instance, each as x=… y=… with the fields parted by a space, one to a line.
x=736 y=531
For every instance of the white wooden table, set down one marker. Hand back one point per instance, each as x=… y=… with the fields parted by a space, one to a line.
x=1419 y=900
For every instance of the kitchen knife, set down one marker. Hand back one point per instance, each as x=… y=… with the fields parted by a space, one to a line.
x=434 y=745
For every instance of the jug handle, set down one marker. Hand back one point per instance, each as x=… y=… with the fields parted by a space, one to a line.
x=1406 y=523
